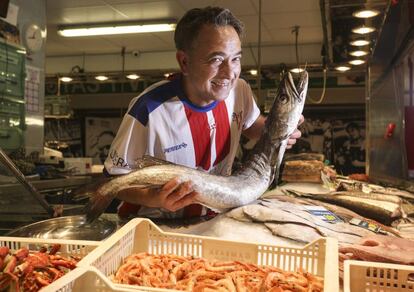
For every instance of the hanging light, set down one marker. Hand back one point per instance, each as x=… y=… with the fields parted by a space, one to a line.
x=358 y=53
x=359 y=43
x=356 y=62
x=365 y=13
x=101 y=78
x=296 y=70
x=95 y=29
x=65 y=79
x=253 y=72
x=132 y=76
x=342 y=68
x=363 y=29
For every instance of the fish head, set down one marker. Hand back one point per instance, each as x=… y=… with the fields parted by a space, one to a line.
x=287 y=107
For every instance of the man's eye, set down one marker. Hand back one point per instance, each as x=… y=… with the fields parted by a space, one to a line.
x=216 y=60
x=237 y=59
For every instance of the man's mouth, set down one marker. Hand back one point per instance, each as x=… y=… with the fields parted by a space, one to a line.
x=221 y=84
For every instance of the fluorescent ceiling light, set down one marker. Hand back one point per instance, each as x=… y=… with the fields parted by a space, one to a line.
x=65 y=79
x=358 y=53
x=363 y=29
x=253 y=72
x=359 y=43
x=101 y=78
x=296 y=70
x=342 y=68
x=132 y=76
x=356 y=62
x=366 y=13
x=110 y=29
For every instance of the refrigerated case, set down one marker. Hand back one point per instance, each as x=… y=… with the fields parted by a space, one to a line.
x=12 y=103
x=390 y=114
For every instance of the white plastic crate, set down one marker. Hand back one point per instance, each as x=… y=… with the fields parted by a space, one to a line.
x=84 y=280
x=360 y=276
x=79 y=248
x=141 y=235
x=68 y=247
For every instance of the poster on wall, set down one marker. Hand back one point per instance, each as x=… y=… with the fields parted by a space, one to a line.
x=64 y=135
x=99 y=133
x=342 y=141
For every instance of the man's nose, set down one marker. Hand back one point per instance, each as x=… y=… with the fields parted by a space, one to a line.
x=227 y=69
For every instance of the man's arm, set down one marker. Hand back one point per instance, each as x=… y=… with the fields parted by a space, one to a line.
x=255 y=130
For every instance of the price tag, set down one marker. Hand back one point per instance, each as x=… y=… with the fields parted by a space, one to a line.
x=323 y=213
x=367 y=225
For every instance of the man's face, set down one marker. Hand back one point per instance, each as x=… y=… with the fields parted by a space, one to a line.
x=212 y=67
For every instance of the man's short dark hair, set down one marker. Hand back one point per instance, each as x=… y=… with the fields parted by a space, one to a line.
x=191 y=23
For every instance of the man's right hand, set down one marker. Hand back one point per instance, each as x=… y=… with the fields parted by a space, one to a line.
x=172 y=196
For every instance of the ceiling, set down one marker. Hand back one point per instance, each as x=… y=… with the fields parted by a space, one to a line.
x=278 y=16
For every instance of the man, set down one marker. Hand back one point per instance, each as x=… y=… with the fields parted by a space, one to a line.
x=195 y=119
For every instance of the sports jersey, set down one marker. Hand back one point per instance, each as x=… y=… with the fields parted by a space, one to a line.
x=162 y=122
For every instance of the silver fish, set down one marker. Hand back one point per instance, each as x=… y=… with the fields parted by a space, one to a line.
x=223 y=192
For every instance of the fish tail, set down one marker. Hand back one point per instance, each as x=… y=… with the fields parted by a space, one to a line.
x=97 y=205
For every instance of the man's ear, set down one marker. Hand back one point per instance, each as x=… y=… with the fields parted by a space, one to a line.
x=182 y=59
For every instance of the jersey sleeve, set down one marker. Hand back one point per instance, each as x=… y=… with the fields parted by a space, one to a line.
x=129 y=145
x=252 y=112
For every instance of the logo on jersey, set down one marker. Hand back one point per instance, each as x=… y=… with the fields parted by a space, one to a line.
x=175 y=148
x=117 y=160
x=237 y=118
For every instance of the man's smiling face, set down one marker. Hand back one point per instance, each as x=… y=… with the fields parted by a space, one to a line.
x=212 y=66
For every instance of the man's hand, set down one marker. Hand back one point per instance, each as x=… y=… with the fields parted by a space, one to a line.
x=172 y=196
x=296 y=134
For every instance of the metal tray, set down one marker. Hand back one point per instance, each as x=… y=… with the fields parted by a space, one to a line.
x=67 y=227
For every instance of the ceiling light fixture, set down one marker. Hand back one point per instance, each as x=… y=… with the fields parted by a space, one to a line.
x=356 y=62
x=342 y=68
x=296 y=70
x=253 y=72
x=65 y=79
x=359 y=43
x=363 y=29
x=115 y=28
x=101 y=78
x=365 y=13
x=358 y=53
x=132 y=76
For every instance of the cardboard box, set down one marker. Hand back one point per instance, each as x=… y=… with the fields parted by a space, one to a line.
x=79 y=166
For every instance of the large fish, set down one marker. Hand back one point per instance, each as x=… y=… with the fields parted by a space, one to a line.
x=223 y=192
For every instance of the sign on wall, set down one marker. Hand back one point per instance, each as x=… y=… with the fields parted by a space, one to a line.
x=99 y=133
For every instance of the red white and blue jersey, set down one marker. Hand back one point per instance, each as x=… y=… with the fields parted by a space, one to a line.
x=163 y=123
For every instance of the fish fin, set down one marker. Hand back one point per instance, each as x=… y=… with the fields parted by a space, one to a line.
x=89 y=190
x=217 y=210
x=97 y=205
x=148 y=160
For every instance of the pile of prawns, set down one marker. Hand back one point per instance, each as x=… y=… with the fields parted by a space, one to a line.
x=198 y=274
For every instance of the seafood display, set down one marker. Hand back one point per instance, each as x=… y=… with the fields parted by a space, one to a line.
x=380 y=207
x=197 y=274
x=222 y=192
x=25 y=270
x=294 y=221
x=379 y=248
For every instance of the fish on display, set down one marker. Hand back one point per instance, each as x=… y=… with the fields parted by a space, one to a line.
x=222 y=192
x=380 y=207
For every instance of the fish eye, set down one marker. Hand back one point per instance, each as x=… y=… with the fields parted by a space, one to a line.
x=283 y=98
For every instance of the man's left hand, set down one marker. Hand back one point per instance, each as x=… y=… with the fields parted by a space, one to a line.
x=296 y=134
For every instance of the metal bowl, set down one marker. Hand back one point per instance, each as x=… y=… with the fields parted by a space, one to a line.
x=67 y=227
